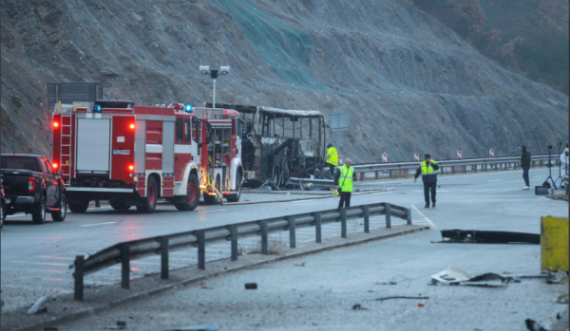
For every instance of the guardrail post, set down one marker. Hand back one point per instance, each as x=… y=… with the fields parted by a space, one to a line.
x=496 y=167
x=376 y=174
x=366 y=215
x=390 y=173
x=515 y=166
x=201 y=235
x=453 y=170
x=362 y=176
x=343 y=223
x=388 y=216
x=441 y=170
x=485 y=167
x=234 y=238
x=264 y=239
x=292 y=242
x=474 y=168
x=78 y=275
x=125 y=266
x=318 y=228
x=409 y=216
x=532 y=164
x=464 y=169
x=540 y=163
x=164 y=257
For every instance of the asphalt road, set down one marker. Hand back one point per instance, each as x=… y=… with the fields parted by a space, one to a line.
x=35 y=259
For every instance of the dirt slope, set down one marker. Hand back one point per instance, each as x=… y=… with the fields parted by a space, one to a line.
x=410 y=84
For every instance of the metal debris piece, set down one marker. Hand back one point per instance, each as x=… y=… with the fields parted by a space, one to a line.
x=358 y=307
x=299 y=264
x=251 y=286
x=556 y=277
x=488 y=237
x=206 y=327
x=401 y=297
x=454 y=275
x=38 y=305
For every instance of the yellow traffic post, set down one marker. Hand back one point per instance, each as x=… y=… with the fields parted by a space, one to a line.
x=554 y=243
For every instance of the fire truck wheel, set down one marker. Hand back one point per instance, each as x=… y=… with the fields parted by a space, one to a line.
x=59 y=216
x=192 y=195
x=39 y=211
x=79 y=206
x=119 y=205
x=148 y=204
x=235 y=197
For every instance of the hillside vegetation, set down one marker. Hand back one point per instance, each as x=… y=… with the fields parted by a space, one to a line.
x=410 y=83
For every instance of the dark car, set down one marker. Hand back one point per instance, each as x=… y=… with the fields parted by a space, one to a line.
x=32 y=186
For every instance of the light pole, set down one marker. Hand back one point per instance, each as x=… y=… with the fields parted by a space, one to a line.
x=205 y=70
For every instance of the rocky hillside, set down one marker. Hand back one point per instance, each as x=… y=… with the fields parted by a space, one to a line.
x=409 y=83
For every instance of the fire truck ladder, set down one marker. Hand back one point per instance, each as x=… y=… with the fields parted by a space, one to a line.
x=65 y=147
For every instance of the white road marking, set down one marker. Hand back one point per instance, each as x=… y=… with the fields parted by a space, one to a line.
x=305 y=200
x=432 y=225
x=105 y=223
x=495 y=180
x=213 y=211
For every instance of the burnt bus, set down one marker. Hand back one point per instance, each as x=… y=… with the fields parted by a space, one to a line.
x=278 y=144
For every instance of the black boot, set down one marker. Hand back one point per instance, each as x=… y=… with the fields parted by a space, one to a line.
x=427 y=205
x=433 y=204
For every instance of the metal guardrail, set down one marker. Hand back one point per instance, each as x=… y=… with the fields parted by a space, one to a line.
x=483 y=163
x=124 y=252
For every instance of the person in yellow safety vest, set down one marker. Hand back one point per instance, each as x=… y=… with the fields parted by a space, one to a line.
x=428 y=169
x=332 y=158
x=343 y=178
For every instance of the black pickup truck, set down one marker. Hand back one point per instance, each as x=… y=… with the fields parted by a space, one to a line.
x=32 y=186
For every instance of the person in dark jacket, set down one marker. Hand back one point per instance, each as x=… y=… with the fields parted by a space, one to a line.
x=428 y=169
x=525 y=165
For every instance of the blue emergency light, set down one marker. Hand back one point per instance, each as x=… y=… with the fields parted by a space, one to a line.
x=187 y=108
x=96 y=108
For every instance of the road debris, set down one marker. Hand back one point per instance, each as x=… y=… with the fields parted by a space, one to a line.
x=563 y=298
x=358 y=307
x=420 y=305
x=556 y=277
x=120 y=325
x=206 y=327
x=251 y=286
x=299 y=264
x=401 y=297
x=455 y=275
x=532 y=325
x=38 y=306
x=488 y=237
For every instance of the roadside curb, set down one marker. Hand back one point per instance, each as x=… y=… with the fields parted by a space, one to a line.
x=259 y=260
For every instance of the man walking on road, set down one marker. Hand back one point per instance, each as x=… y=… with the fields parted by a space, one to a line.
x=428 y=169
x=332 y=158
x=343 y=179
x=525 y=165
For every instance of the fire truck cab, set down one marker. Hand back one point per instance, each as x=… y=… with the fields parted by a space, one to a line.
x=135 y=155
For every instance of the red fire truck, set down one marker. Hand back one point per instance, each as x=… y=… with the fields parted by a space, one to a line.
x=136 y=155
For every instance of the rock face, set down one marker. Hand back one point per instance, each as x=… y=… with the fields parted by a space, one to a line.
x=409 y=84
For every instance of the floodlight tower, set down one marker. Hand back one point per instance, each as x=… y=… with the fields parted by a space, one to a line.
x=213 y=73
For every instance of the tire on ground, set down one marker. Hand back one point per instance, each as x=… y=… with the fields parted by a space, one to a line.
x=234 y=197
x=78 y=206
x=120 y=205
x=148 y=203
x=39 y=211
x=59 y=216
x=192 y=195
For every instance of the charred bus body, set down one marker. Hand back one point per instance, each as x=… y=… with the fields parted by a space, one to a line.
x=278 y=144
